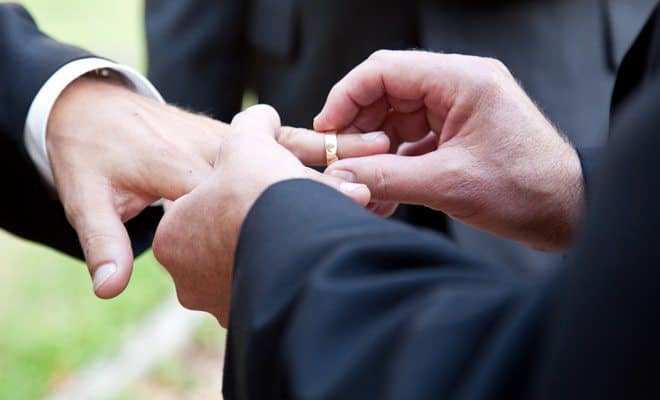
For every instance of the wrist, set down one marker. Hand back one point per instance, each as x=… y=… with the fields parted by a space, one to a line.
x=84 y=102
x=573 y=198
x=563 y=212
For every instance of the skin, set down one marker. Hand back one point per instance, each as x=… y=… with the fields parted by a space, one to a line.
x=465 y=140
x=113 y=153
x=197 y=238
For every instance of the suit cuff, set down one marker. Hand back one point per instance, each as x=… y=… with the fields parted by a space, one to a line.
x=36 y=123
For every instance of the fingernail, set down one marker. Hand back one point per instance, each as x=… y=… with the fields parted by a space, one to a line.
x=103 y=273
x=370 y=137
x=346 y=176
x=349 y=187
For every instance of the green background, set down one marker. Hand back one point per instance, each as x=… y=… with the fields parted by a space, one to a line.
x=50 y=322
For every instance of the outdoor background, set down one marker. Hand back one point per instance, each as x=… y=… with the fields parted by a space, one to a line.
x=51 y=326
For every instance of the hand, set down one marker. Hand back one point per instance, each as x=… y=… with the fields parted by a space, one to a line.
x=197 y=238
x=114 y=152
x=469 y=142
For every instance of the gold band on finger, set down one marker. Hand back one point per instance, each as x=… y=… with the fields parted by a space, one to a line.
x=330 y=148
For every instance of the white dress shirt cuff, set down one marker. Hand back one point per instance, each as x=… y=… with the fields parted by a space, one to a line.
x=40 y=109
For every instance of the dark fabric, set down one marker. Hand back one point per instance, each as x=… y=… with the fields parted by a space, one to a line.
x=564 y=52
x=641 y=64
x=28 y=60
x=344 y=305
x=589 y=161
x=197 y=53
x=347 y=305
x=27 y=207
x=622 y=18
x=604 y=324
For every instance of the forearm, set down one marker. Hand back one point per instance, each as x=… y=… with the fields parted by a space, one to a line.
x=325 y=295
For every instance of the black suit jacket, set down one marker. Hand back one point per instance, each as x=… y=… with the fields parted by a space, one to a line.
x=565 y=52
x=28 y=207
x=349 y=306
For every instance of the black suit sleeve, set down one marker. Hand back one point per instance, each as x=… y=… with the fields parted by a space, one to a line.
x=605 y=324
x=331 y=302
x=29 y=58
x=589 y=159
x=197 y=53
x=27 y=207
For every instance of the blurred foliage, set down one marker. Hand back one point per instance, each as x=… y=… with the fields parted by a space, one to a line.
x=194 y=373
x=112 y=29
x=50 y=322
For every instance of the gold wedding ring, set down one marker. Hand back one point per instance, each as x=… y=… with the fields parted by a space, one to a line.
x=330 y=148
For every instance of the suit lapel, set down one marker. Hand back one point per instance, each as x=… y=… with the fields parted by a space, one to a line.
x=624 y=20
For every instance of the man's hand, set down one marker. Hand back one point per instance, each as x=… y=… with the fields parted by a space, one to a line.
x=197 y=238
x=469 y=142
x=114 y=152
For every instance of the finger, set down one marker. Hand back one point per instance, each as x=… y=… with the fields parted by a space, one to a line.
x=425 y=145
x=206 y=142
x=167 y=206
x=341 y=107
x=384 y=209
x=356 y=191
x=403 y=127
x=169 y=176
x=309 y=146
x=404 y=75
x=104 y=241
x=371 y=117
x=260 y=120
x=389 y=177
x=404 y=105
x=203 y=135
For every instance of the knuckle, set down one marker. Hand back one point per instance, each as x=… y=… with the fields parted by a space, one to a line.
x=264 y=111
x=188 y=299
x=380 y=55
x=92 y=242
x=496 y=64
x=243 y=116
x=286 y=136
x=487 y=81
x=163 y=247
x=380 y=179
x=336 y=89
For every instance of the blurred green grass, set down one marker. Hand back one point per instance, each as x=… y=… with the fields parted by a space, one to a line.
x=50 y=322
x=112 y=29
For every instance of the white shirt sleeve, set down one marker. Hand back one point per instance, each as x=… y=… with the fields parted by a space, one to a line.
x=39 y=112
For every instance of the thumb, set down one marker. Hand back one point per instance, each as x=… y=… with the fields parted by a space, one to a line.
x=356 y=191
x=106 y=246
x=389 y=177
